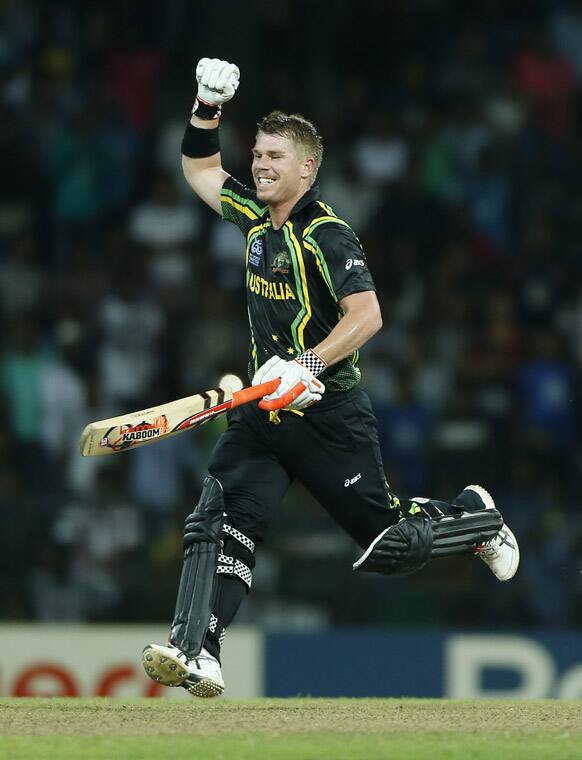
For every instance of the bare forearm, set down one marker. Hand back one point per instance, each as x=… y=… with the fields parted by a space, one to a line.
x=350 y=333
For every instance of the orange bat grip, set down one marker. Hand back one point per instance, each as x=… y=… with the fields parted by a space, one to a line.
x=281 y=403
x=254 y=392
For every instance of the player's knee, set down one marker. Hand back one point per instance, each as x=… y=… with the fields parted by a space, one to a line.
x=205 y=522
x=208 y=523
x=400 y=549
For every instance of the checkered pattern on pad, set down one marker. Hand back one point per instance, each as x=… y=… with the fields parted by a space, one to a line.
x=230 y=566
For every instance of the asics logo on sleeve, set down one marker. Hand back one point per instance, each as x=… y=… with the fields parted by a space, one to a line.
x=354 y=263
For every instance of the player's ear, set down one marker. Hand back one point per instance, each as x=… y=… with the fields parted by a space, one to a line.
x=308 y=168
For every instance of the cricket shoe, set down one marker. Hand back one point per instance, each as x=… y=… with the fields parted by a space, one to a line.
x=500 y=553
x=168 y=665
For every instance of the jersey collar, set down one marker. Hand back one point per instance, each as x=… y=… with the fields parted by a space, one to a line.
x=311 y=195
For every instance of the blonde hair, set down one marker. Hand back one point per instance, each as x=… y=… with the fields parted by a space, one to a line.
x=299 y=130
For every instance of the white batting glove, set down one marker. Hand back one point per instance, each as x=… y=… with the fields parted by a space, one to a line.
x=217 y=81
x=292 y=376
x=271 y=369
x=299 y=386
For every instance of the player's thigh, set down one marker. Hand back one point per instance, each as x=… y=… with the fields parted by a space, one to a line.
x=252 y=478
x=341 y=465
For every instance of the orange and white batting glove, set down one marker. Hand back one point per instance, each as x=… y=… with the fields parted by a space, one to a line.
x=299 y=385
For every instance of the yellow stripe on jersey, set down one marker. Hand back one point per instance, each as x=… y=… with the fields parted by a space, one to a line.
x=247 y=202
x=307 y=317
x=321 y=265
x=320 y=220
x=258 y=228
x=327 y=208
x=253 y=343
x=238 y=206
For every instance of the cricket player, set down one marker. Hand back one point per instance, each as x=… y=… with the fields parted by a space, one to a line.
x=311 y=305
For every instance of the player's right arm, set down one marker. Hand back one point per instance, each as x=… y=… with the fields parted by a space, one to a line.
x=201 y=164
x=205 y=175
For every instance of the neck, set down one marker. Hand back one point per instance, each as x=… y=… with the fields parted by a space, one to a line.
x=280 y=212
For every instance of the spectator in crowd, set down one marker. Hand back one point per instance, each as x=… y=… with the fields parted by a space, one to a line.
x=23 y=367
x=131 y=325
x=166 y=228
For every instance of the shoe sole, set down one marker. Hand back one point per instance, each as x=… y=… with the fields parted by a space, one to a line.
x=169 y=671
x=204 y=688
x=490 y=504
x=163 y=668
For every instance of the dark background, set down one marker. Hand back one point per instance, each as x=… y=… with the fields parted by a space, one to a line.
x=453 y=145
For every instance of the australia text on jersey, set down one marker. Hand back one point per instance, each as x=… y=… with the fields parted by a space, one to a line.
x=275 y=291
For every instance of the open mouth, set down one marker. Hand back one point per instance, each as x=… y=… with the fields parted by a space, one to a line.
x=265 y=181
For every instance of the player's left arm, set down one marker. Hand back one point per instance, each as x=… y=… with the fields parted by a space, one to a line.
x=299 y=385
x=343 y=262
x=362 y=319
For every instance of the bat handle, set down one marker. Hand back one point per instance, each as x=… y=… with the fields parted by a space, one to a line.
x=281 y=403
x=254 y=392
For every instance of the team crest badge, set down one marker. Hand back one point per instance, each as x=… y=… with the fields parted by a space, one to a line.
x=281 y=263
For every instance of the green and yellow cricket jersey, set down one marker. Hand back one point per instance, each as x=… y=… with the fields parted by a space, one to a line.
x=296 y=276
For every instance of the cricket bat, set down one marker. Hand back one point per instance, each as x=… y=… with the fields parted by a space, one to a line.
x=129 y=431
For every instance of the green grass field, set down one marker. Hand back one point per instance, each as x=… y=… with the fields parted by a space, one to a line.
x=288 y=729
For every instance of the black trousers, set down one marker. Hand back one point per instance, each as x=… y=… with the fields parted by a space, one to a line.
x=332 y=450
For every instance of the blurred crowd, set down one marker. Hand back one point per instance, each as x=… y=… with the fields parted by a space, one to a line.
x=453 y=145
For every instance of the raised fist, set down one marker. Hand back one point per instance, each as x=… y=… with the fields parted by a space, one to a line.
x=217 y=80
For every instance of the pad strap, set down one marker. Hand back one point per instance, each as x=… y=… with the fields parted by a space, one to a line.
x=242 y=546
x=216 y=630
x=228 y=565
x=240 y=537
x=236 y=560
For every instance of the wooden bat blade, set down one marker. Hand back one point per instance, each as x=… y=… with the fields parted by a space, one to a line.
x=135 y=429
x=129 y=431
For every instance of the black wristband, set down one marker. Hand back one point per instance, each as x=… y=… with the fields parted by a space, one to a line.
x=200 y=143
x=206 y=111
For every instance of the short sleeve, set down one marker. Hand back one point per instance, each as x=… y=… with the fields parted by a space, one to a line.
x=342 y=259
x=239 y=205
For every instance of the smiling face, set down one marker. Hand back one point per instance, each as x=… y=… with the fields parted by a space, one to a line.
x=281 y=170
